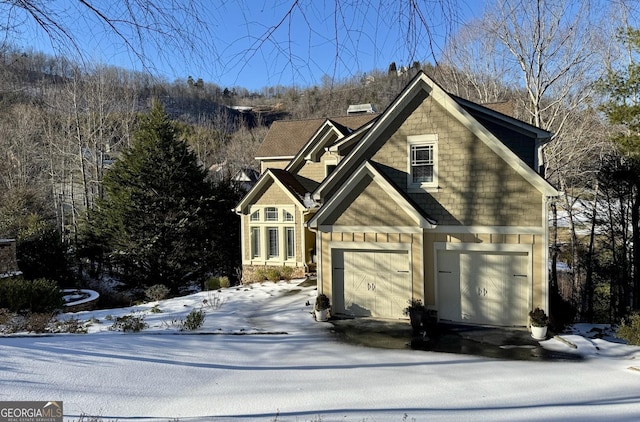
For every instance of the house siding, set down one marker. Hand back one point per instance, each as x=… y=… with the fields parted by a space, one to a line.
x=273 y=195
x=316 y=171
x=371 y=241
x=476 y=189
x=273 y=164
x=476 y=186
x=370 y=205
x=538 y=276
x=488 y=207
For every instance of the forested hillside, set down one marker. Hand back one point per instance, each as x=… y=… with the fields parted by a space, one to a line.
x=63 y=125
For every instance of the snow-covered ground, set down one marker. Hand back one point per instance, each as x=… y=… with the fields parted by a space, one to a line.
x=261 y=356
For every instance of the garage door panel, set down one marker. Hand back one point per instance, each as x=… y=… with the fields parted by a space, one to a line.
x=449 y=286
x=359 y=282
x=376 y=283
x=493 y=287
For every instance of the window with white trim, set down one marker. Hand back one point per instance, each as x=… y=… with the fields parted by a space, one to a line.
x=273 y=242
x=422 y=161
x=272 y=234
x=270 y=214
x=290 y=238
x=255 y=242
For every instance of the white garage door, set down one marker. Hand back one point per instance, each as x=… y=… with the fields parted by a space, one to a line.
x=483 y=287
x=371 y=283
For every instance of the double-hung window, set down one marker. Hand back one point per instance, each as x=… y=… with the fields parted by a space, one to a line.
x=422 y=162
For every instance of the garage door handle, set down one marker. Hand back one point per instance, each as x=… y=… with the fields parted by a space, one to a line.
x=403 y=271
x=444 y=272
x=519 y=275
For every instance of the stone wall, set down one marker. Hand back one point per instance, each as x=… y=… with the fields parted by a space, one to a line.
x=249 y=272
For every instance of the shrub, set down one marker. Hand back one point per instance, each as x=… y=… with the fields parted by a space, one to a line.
x=413 y=305
x=72 y=325
x=155 y=309
x=157 y=292
x=41 y=252
x=213 y=301
x=13 y=323
x=273 y=274
x=538 y=318
x=194 y=320
x=38 y=322
x=30 y=296
x=259 y=275
x=629 y=330
x=286 y=273
x=129 y=323
x=225 y=282
x=5 y=316
x=212 y=283
x=322 y=302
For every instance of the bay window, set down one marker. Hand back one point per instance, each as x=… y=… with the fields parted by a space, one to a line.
x=272 y=237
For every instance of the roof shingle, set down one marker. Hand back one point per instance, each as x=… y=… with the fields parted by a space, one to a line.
x=286 y=137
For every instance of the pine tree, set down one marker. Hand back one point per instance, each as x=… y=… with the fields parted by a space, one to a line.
x=152 y=221
x=622 y=86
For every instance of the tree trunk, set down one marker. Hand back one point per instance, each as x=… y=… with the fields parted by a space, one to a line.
x=554 y=249
x=635 y=221
x=588 y=283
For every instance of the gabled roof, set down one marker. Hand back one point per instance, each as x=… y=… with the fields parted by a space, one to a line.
x=423 y=86
x=507 y=107
x=286 y=138
x=368 y=169
x=285 y=180
x=246 y=175
x=352 y=139
x=489 y=112
x=316 y=144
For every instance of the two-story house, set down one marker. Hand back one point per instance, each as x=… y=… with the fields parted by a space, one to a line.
x=436 y=198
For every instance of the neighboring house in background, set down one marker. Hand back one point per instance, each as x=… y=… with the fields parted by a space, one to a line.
x=436 y=198
x=8 y=262
x=246 y=178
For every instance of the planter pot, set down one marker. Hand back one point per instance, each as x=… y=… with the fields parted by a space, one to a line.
x=415 y=317
x=539 y=333
x=323 y=315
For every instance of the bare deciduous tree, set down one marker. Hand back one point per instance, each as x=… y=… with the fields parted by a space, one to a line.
x=151 y=30
x=546 y=54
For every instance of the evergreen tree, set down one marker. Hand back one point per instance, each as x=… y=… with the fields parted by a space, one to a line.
x=152 y=222
x=622 y=86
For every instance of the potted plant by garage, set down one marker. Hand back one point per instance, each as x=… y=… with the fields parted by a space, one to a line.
x=322 y=308
x=415 y=310
x=539 y=321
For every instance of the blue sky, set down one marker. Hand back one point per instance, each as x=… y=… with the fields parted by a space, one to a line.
x=311 y=41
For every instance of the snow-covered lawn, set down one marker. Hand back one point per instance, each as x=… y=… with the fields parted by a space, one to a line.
x=261 y=356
